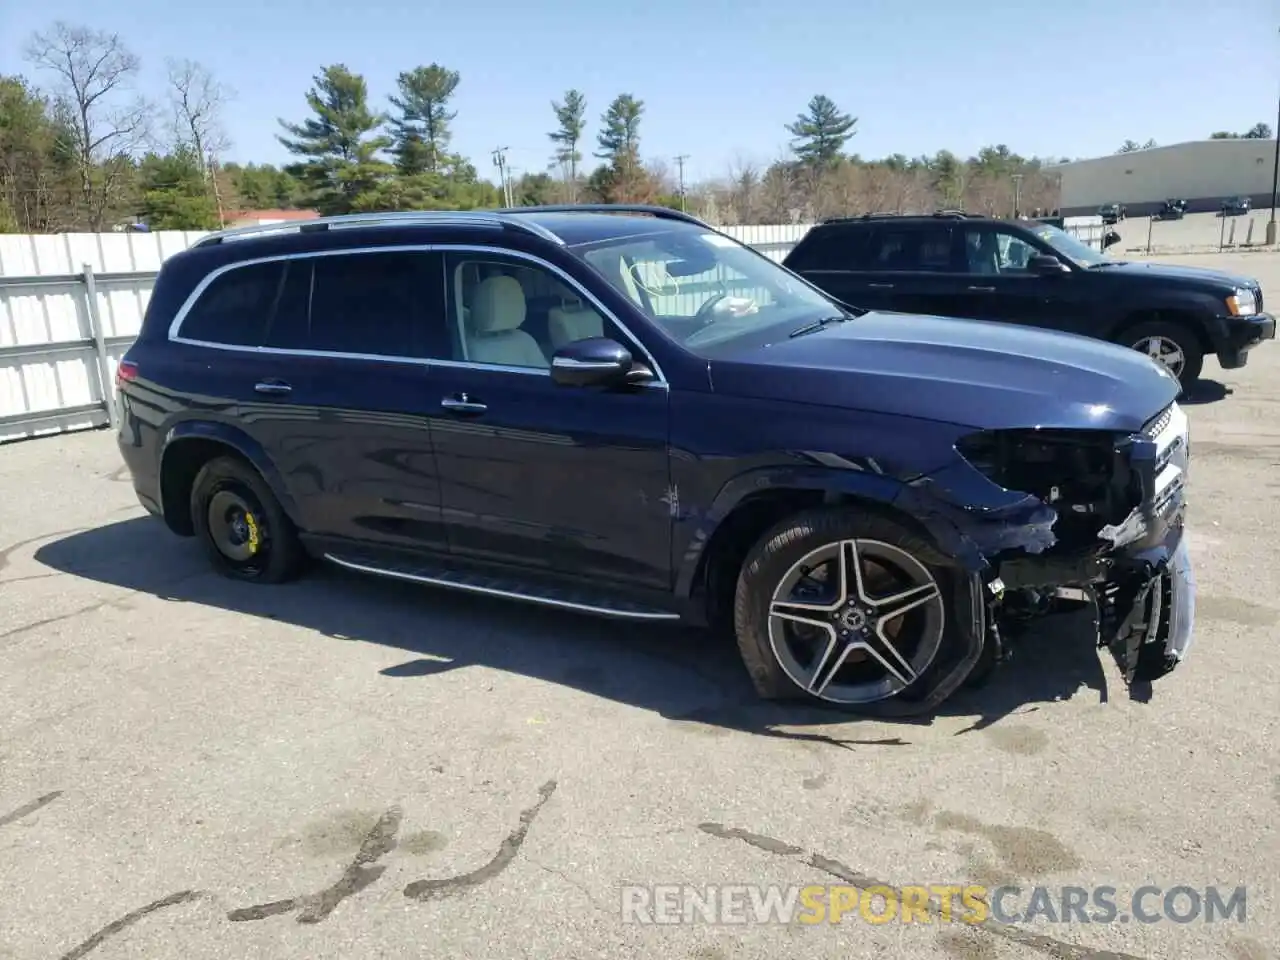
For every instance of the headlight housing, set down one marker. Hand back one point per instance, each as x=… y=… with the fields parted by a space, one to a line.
x=1083 y=473
x=1242 y=303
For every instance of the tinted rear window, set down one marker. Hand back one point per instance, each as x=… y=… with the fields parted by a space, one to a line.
x=831 y=248
x=918 y=247
x=368 y=303
x=234 y=309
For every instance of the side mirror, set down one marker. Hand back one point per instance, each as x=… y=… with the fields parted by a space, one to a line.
x=1046 y=266
x=596 y=362
x=1110 y=239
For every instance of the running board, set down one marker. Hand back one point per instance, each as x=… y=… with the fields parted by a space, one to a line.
x=505 y=587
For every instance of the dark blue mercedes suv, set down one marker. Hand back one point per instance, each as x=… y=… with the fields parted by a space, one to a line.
x=625 y=412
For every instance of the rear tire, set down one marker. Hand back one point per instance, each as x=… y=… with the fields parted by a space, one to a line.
x=1168 y=336
x=857 y=654
x=241 y=525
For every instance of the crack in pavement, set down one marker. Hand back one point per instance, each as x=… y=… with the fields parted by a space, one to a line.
x=128 y=920
x=30 y=577
x=119 y=603
x=6 y=552
x=29 y=808
x=358 y=875
x=507 y=850
x=70 y=615
x=1057 y=949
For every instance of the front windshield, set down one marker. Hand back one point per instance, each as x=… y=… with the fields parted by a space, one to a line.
x=705 y=288
x=1074 y=250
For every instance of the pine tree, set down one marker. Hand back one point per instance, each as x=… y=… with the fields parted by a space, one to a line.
x=821 y=132
x=421 y=130
x=339 y=145
x=571 y=115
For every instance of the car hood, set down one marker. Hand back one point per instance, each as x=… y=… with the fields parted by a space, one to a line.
x=973 y=373
x=1201 y=276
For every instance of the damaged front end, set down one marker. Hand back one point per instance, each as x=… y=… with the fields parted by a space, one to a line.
x=1057 y=516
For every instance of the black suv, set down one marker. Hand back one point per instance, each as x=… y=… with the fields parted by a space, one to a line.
x=623 y=412
x=1111 y=213
x=1236 y=206
x=1032 y=273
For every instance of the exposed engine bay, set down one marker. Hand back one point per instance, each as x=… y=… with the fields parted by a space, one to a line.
x=1107 y=535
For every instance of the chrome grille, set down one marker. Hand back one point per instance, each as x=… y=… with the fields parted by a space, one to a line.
x=1153 y=427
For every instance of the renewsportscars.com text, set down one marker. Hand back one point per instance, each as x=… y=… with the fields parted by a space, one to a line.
x=932 y=903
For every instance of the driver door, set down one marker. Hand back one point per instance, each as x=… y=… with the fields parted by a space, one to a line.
x=566 y=480
x=999 y=286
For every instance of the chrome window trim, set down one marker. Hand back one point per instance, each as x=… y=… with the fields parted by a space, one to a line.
x=175 y=326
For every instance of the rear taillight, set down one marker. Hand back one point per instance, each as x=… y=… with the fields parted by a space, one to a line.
x=126 y=372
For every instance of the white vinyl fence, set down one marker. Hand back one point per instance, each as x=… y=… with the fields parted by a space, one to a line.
x=70 y=305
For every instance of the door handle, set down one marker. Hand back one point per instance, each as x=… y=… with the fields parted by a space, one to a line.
x=880 y=286
x=274 y=387
x=462 y=404
x=981 y=289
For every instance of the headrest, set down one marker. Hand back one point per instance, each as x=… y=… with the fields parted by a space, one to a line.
x=497 y=305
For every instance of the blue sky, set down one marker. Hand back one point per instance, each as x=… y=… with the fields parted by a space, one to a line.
x=720 y=79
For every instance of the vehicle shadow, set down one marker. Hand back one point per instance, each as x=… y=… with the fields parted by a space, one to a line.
x=682 y=674
x=1205 y=391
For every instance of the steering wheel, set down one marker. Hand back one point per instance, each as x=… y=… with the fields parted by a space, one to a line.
x=703 y=315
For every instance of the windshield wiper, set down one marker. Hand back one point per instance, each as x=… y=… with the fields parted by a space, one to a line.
x=819 y=324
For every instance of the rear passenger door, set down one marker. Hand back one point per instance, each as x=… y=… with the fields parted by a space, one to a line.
x=345 y=383
x=835 y=260
x=916 y=265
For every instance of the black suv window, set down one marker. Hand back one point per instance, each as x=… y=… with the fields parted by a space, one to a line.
x=234 y=308
x=841 y=247
x=359 y=303
x=997 y=251
x=904 y=248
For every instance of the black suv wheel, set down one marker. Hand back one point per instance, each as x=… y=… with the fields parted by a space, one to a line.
x=844 y=607
x=241 y=524
x=1172 y=344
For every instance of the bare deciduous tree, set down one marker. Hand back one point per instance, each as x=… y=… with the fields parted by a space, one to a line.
x=196 y=100
x=107 y=121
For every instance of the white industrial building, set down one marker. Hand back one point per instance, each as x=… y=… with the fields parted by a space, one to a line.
x=1202 y=172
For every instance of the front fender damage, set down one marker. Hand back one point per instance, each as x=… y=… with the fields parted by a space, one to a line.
x=1036 y=553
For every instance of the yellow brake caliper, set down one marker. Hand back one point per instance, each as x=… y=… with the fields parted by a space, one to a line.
x=254 y=538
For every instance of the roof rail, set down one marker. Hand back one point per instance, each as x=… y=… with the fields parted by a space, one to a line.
x=887 y=215
x=479 y=218
x=661 y=213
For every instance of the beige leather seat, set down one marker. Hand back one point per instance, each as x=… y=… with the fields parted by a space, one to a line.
x=494 y=334
x=569 y=324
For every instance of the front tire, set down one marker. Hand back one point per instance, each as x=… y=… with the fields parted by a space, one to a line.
x=845 y=608
x=1174 y=345
x=241 y=525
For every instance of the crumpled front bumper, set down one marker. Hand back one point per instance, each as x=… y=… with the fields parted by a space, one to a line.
x=1138 y=575
x=1146 y=609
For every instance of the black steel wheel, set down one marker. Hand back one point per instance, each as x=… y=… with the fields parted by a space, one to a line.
x=241 y=524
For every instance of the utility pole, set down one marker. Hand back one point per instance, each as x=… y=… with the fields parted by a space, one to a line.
x=1275 y=183
x=500 y=161
x=1017 y=194
x=680 y=165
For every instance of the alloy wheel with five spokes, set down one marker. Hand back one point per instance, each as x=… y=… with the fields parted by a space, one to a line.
x=856 y=621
